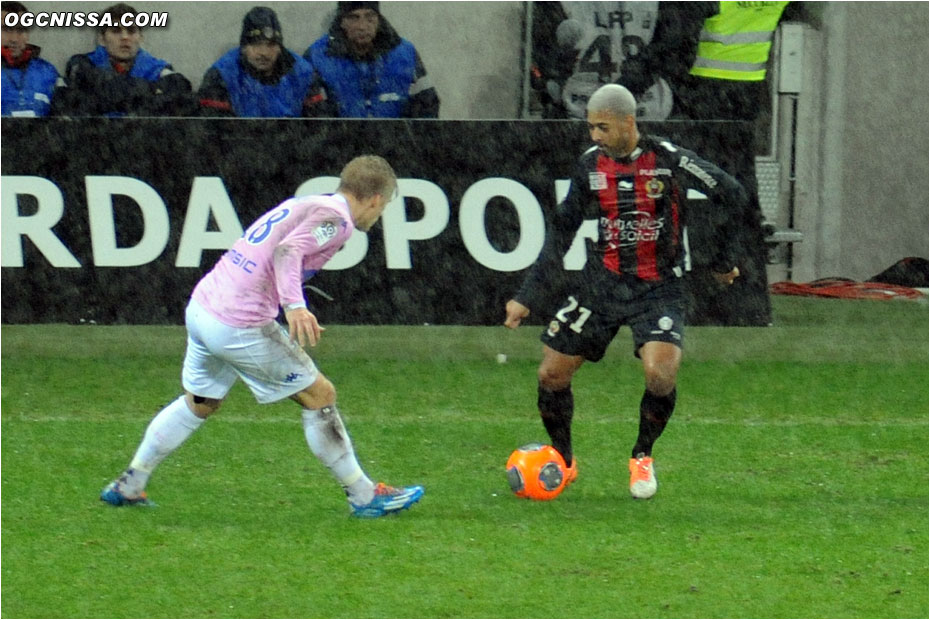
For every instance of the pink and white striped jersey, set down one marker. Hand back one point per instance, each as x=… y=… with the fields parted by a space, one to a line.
x=266 y=267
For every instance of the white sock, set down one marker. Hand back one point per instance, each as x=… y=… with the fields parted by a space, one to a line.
x=328 y=440
x=165 y=433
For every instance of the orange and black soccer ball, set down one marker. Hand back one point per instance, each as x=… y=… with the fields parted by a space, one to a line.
x=536 y=471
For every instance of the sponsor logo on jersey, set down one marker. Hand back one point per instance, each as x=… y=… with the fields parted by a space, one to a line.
x=655 y=172
x=324 y=232
x=688 y=164
x=655 y=188
x=240 y=260
x=630 y=228
x=598 y=180
x=554 y=328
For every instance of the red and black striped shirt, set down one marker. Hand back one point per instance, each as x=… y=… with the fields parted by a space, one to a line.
x=643 y=204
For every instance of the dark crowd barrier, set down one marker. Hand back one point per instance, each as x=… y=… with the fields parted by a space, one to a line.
x=115 y=220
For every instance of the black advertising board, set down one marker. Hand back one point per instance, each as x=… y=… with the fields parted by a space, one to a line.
x=115 y=220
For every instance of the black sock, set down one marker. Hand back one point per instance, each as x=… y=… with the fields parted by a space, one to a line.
x=654 y=412
x=556 y=410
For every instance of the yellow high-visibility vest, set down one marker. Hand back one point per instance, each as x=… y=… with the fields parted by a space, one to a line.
x=735 y=43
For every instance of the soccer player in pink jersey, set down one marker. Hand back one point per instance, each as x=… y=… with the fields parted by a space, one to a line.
x=232 y=333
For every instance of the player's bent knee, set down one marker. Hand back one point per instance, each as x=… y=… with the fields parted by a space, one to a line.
x=324 y=389
x=202 y=406
x=660 y=378
x=556 y=370
x=318 y=395
x=660 y=388
x=553 y=379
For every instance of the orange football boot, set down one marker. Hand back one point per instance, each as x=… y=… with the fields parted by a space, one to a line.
x=643 y=483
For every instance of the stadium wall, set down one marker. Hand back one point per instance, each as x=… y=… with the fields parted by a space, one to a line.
x=869 y=148
x=472 y=50
x=875 y=178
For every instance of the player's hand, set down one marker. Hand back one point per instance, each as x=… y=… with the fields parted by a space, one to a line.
x=304 y=327
x=726 y=279
x=516 y=312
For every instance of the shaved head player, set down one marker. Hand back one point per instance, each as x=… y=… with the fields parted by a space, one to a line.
x=636 y=187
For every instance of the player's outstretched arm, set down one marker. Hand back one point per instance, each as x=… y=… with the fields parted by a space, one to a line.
x=304 y=327
x=516 y=312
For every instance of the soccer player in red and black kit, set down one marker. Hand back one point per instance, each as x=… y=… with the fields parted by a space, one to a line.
x=636 y=187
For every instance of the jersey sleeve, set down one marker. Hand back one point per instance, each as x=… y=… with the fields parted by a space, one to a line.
x=316 y=103
x=712 y=221
x=424 y=102
x=546 y=277
x=71 y=97
x=172 y=96
x=213 y=96
x=312 y=242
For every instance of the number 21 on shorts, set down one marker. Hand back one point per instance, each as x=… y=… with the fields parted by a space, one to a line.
x=583 y=315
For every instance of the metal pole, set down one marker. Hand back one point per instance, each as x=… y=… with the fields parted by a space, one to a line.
x=527 y=60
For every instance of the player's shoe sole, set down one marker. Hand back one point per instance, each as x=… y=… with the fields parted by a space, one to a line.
x=387 y=500
x=113 y=496
x=643 y=484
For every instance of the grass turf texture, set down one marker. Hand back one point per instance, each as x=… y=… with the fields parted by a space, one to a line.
x=793 y=479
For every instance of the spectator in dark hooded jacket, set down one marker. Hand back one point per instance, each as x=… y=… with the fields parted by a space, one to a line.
x=261 y=78
x=368 y=70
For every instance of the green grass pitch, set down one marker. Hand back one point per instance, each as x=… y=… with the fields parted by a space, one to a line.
x=793 y=479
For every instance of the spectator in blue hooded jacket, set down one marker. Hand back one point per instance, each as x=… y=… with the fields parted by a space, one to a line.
x=28 y=81
x=119 y=78
x=368 y=70
x=261 y=78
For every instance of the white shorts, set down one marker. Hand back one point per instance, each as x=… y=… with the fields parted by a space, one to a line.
x=265 y=358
